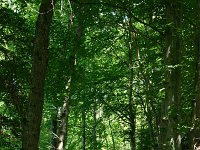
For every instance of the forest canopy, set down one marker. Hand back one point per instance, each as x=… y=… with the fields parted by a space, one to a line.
x=100 y=74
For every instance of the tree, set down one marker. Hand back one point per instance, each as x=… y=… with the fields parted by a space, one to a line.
x=196 y=136
x=116 y=75
x=33 y=116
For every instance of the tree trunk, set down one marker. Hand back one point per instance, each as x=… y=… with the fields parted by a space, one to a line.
x=32 y=121
x=132 y=109
x=83 y=127
x=112 y=136
x=95 y=126
x=62 y=131
x=196 y=106
x=170 y=111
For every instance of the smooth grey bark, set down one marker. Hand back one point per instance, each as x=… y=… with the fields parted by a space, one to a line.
x=32 y=121
x=62 y=129
x=170 y=138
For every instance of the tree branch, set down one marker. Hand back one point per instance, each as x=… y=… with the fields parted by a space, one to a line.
x=124 y=9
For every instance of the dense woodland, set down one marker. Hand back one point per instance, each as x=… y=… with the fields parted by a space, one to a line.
x=100 y=74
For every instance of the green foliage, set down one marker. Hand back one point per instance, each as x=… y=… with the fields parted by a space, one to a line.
x=101 y=74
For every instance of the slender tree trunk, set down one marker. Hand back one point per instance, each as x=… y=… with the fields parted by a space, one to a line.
x=95 y=126
x=32 y=122
x=147 y=104
x=196 y=107
x=112 y=136
x=150 y=120
x=132 y=109
x=63 y=126
x=83 y=128
x=62 y=132
x=147 y=112
x=170 y=111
